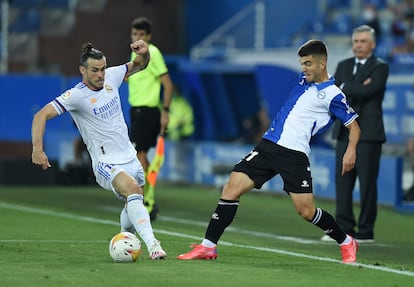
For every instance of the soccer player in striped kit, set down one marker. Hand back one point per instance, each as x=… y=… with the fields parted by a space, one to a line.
x=313 y=105
x=95 y=107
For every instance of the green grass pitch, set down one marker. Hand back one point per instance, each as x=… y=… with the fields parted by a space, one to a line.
x=59 y=236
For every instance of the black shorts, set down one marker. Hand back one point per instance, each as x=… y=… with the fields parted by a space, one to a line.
x=145 y=127
x=268 y=159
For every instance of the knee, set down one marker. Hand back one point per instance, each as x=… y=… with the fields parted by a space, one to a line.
x=133 y=188
x=129 y=188
x=230 y=192
x=306 y=213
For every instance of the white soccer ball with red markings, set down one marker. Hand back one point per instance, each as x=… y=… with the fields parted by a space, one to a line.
x=125 y=247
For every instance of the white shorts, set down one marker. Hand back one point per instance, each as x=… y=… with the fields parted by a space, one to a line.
x=106 y=172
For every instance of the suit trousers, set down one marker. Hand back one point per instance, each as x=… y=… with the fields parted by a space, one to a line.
x=366 y=170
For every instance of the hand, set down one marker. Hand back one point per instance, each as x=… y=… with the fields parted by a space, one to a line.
x=366 y=82
x=348 y=161
x=40 y=158
x=164 y=122
x=140 y=47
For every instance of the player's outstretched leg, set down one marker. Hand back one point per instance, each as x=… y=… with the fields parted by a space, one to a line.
x=221 y=218
x=347 y=244
x=139 y=216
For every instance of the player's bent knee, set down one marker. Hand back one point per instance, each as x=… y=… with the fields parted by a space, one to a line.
x=126 y=185
x=306 y=213
x=231 y=192
x=134 y=188
x=238 y=184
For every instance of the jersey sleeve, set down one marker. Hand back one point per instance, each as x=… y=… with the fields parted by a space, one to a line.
x=116 y=74
x=67 y=101
x=341 y=110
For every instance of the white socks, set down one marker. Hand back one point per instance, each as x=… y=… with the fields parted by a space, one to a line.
x=140 y=219
x=346 y=241
x=126 y=224
x=208 y=243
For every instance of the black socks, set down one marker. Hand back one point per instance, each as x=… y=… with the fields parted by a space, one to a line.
x=327 y=223
x=221 y=218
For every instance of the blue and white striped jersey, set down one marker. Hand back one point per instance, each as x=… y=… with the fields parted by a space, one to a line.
x=309 y=111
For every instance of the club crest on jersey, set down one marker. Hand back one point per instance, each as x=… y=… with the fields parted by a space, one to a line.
x=66 y=95
x=321 y=95
x=108 y=88
x=93 y=100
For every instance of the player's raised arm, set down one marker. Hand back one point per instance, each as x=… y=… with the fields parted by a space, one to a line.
x=141 y=61
x=39 y=157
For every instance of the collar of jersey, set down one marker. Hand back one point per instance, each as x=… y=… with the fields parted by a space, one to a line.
x=323 y=85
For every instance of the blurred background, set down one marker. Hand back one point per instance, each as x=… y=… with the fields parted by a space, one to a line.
x=234 y=61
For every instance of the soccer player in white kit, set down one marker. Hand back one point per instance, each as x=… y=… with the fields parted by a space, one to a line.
x=95 y=107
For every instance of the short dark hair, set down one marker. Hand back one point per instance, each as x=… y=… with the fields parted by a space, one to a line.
x=313 y=47
x=88 y=51
x=142 y=23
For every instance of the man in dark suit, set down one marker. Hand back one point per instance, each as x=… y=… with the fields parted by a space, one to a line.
x=363 y=79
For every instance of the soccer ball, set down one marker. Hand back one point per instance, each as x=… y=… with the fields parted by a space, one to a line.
x=124 y=247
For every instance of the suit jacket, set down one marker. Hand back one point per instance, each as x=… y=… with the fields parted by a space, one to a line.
x=366 y=100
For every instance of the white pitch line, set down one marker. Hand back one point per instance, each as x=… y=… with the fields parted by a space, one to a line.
x=242 y=231
x=228 y=229
x=238 y=230
x=182 y=235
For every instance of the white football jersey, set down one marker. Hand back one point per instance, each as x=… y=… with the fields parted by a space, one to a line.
x=99 y=118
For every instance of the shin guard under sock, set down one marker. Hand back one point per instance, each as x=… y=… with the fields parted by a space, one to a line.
x=221 y=218
x=327 y=223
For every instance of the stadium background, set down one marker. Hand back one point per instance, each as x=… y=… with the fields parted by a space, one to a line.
x=228 y=58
